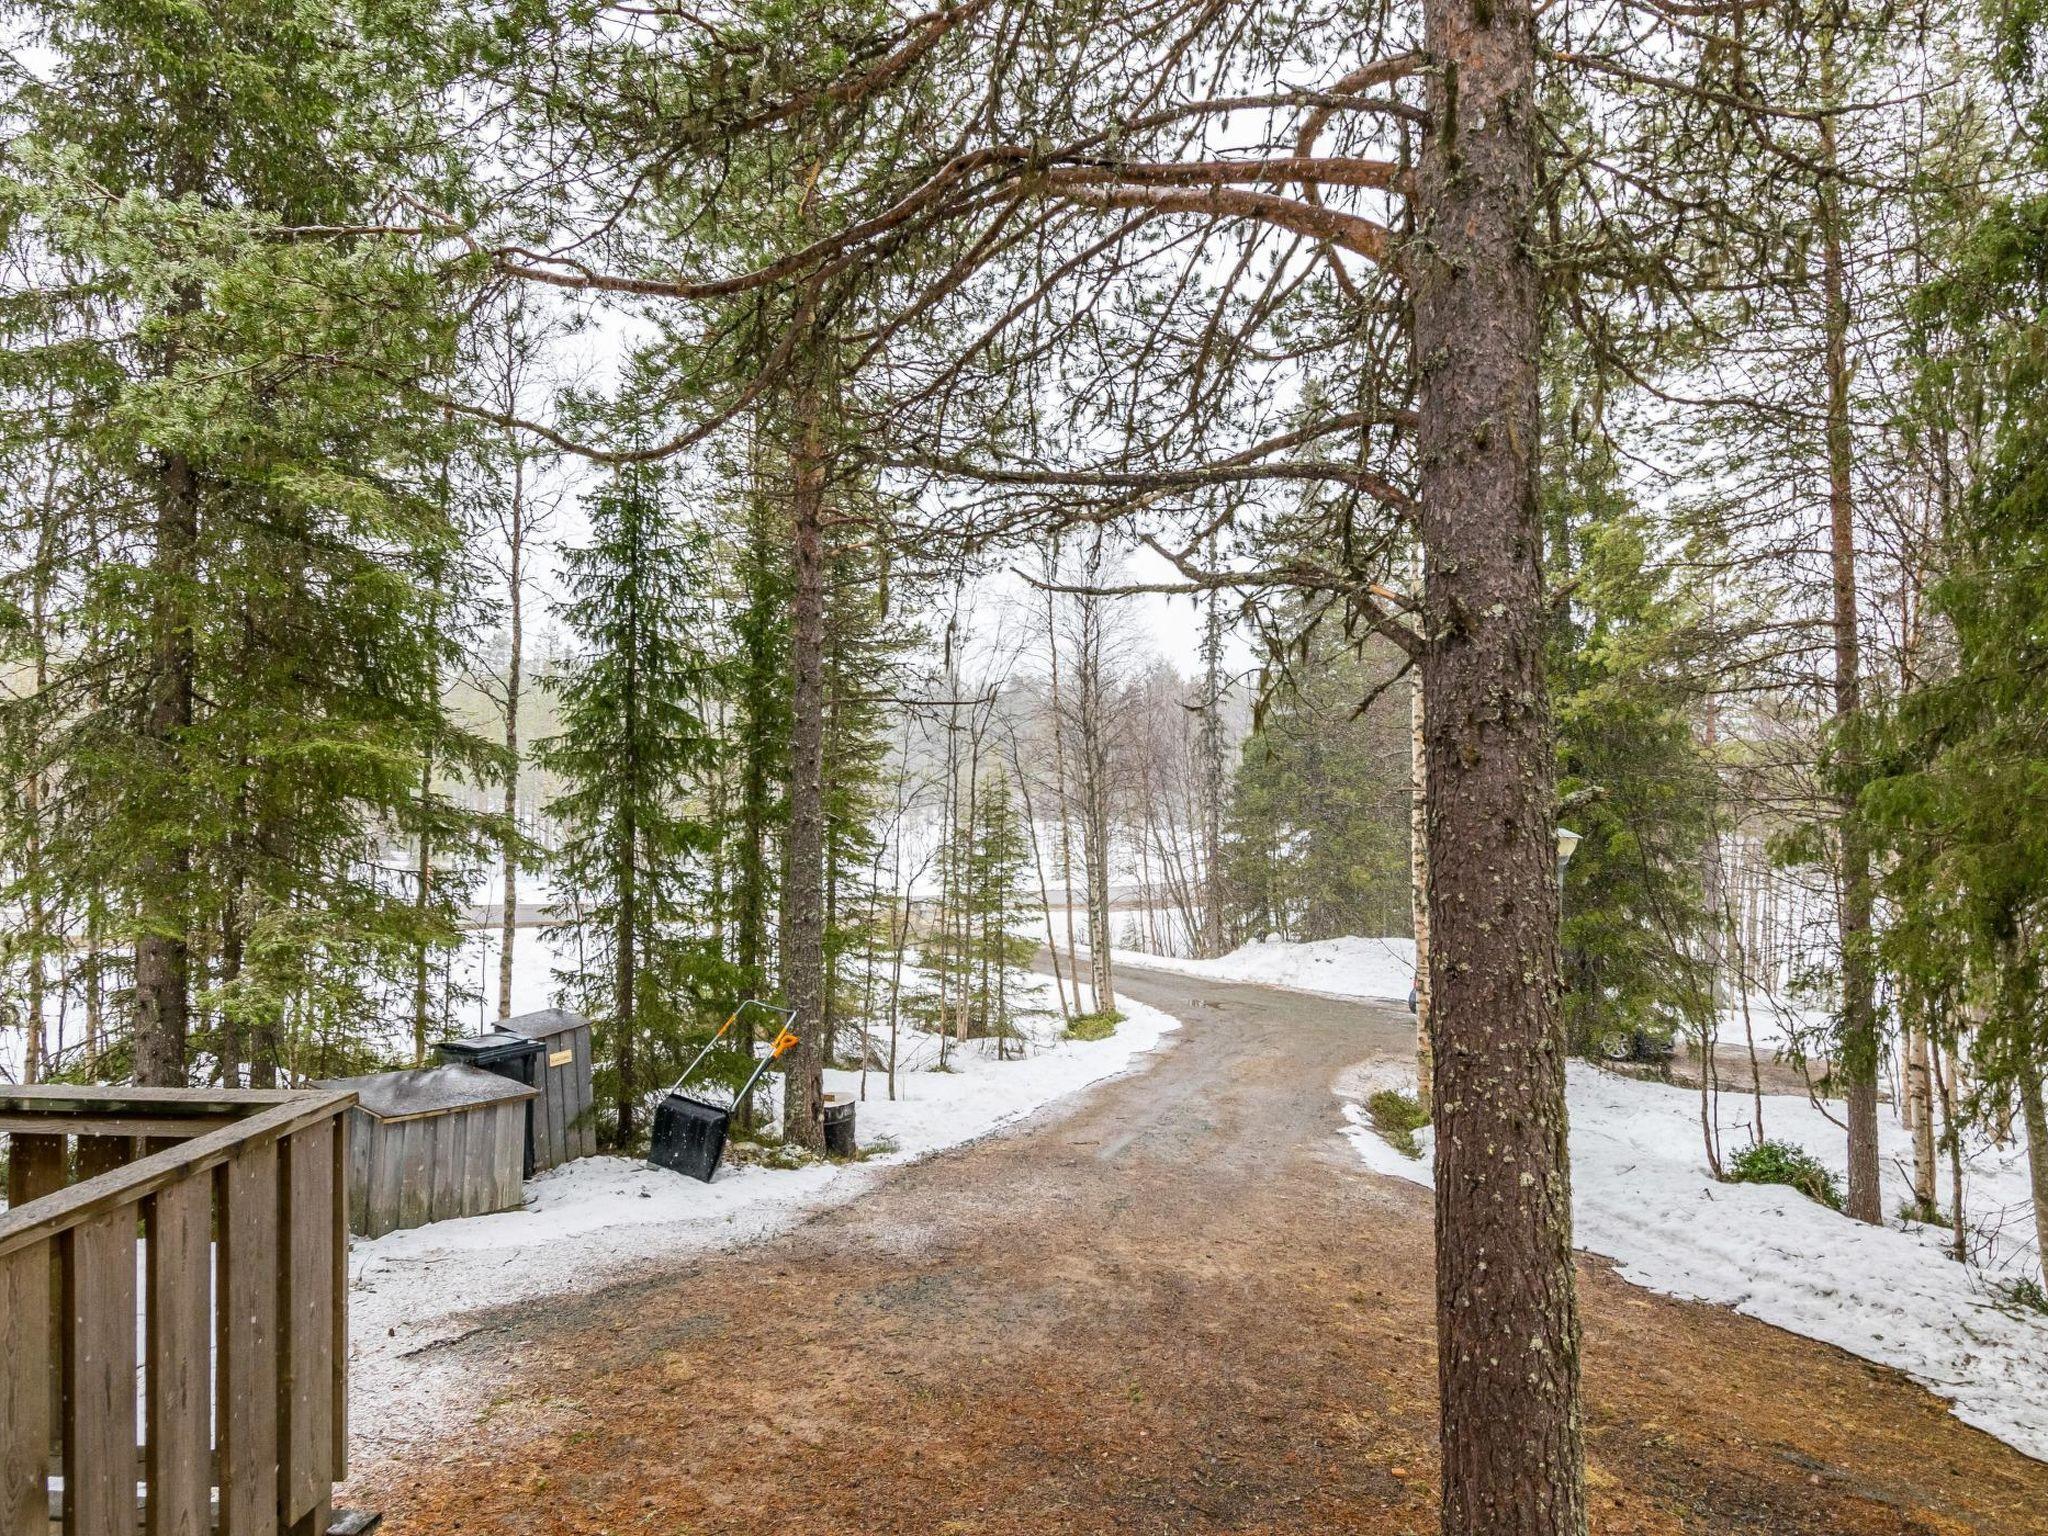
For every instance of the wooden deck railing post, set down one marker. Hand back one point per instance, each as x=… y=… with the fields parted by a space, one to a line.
x=235 y=1206
x=24 y=1390
x=178 y=1462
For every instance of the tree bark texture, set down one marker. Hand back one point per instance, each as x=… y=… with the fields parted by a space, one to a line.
x=515 y=600
x=1507 y=1315
x=162 y=949
x=1857 y=1059
x=2035 y=1111
x=1418 y=886
x=803 y=898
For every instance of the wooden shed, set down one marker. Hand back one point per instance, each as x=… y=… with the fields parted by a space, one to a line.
x=564 y=1120
x=433 y=1144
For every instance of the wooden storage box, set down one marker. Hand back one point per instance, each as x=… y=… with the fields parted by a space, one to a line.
x=433 y=1144
x=563 y=1120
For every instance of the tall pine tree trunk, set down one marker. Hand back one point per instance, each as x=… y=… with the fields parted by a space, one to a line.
x=1858 y=1056
x=1418 y=885
x=626 y=849
x=625 y=968
x=1212 y=777
x=1094 y=748
x=1507 y=1315
x=162 y=948
x=2035 y=1112
x=508 y=931
x=1059 y=778
x=422 y=899
x=803 y=897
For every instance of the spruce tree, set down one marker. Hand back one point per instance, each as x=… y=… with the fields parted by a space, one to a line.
x=630 y=754
x=249 y=529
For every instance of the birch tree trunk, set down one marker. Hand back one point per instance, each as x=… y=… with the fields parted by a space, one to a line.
x=1920 y=1101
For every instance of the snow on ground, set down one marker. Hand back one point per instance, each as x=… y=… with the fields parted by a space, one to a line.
x=1351 y=967
x=1642 y=1196
x=602 y=1218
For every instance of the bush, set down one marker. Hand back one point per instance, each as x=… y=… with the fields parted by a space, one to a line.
x=1781 y=1162
x=1397 y=1116
x=2026 y=1292
x=1094 y=1026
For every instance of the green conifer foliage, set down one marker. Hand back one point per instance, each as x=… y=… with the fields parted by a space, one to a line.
x=244 y=657
x=1639 y=787
x=631 y=754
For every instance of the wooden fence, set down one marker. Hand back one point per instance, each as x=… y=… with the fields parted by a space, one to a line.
x=173 y=1311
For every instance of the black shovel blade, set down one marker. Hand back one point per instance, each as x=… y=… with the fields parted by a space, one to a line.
x=689 y=1136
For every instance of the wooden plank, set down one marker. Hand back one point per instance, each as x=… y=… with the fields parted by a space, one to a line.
x=35 y=1168
x=306 y=1433
x=99 y=1396
x=345 y=1138
x=103 y=1154
x=358 y=1137
x=416 y=1172
x=512 y=1185
x=385 y=1172
x=36 y=1171
x=558 y=1115
x=444 y=1156
x=25 y=1360
x=481 y=1161
x=246 y=1298
x=178 y=1458
x=139 y=1100
x=81 y=1202
x=59 y=1123
x=586 y=1108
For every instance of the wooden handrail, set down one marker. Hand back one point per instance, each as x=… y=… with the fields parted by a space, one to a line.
x=66 y=1208
x=174 y=1330
x=198 y=1101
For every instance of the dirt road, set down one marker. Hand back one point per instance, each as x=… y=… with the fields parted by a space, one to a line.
x=1181 y=1307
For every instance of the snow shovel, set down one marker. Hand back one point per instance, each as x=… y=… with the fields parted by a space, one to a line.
x=689 y=1132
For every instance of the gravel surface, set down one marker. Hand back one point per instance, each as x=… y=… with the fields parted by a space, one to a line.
x=1174 y=1304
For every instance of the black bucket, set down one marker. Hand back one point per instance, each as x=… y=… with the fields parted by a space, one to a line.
x=839 y=1125
x=689 y=1136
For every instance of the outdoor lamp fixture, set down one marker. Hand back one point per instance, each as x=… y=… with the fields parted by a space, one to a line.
x=1567 y=845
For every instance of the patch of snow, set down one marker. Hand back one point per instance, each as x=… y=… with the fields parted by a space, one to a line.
x=1382 y=969
x=602 y=1218
x=1642 y=1196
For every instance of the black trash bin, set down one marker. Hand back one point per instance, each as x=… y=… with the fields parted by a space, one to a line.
x=507 y=1055
x=839 y=1125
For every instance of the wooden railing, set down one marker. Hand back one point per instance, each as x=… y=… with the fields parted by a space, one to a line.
x=173 y=1311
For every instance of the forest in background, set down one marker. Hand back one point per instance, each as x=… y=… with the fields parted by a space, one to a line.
x=1624 y=419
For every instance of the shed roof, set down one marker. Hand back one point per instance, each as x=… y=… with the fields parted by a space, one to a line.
x=431 y=1091
x=544 y=1023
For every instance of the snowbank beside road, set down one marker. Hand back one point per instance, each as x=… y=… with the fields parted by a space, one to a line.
x=1642 y=1196
x=603 y=1218
x=1380 y=969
